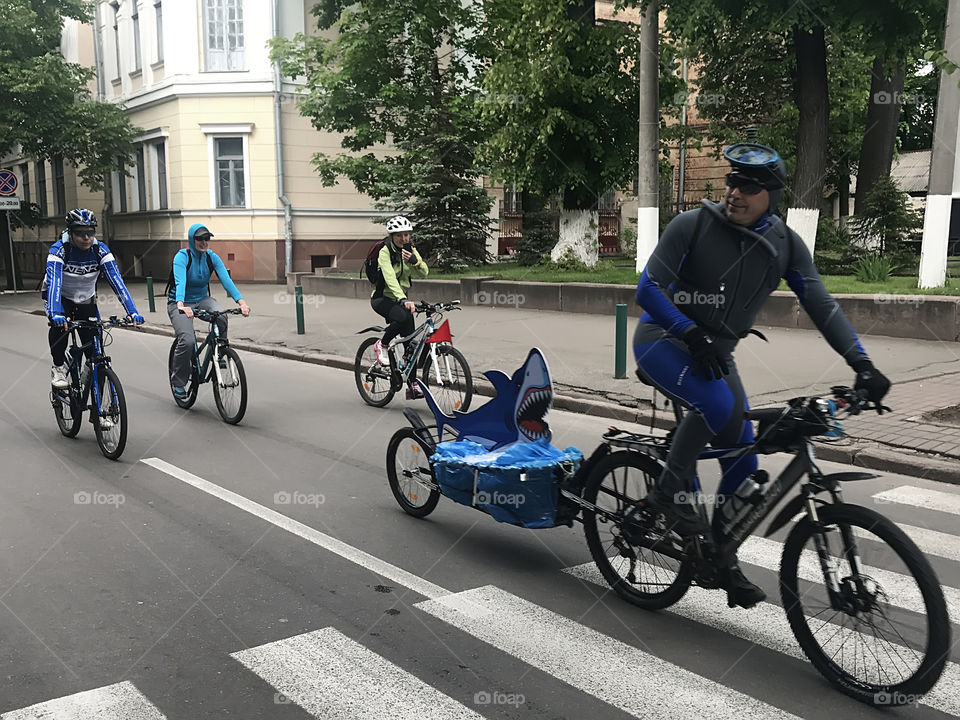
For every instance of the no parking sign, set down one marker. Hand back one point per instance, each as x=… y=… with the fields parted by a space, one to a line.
x=8 y=182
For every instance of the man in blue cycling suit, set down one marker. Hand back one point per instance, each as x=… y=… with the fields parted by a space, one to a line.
x=74 y=264
x=701 y=289
x=190 y=289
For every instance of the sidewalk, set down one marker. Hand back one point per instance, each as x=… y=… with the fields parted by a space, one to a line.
x=580 y=351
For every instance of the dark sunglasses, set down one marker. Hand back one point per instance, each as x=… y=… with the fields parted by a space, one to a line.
x=202 y=238
x=745 y=185
x=84 y=233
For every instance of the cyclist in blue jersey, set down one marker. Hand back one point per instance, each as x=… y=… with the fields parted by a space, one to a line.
x=702 y=288
x=189 y=290
x=74 y=264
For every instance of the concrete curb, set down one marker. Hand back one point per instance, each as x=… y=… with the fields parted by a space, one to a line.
x=863 y=453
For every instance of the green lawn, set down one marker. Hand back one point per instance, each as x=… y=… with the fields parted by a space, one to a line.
x=608 y=273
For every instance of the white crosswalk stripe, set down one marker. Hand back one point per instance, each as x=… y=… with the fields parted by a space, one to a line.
x=619 y=674
x=921 y=498
x=114 y=702
x=766 y=625
x=333 y=677
x=930 y=542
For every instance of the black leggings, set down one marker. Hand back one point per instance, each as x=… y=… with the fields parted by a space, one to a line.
x=58 y=335
x=400 y=319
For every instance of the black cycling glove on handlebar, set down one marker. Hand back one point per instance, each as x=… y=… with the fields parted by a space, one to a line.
x=707 y=360
x=871 y=380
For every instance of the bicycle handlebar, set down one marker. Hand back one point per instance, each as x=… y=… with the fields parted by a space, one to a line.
x=854 y=401
x=211 y=315
x=425 y=307
x=112 y=321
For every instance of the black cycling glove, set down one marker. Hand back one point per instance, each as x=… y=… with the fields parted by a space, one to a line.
x=872 y=381
x=707 y=360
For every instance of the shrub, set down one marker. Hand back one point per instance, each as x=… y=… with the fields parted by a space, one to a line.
x=873 y=268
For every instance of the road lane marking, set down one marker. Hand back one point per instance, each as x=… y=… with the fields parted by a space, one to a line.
x=765 y=624
x=921 y=498
x=113 y=702
x=327 y=542
x=333 y=677
x=619 y=674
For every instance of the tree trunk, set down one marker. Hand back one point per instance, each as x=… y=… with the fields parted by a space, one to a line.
x=813 y=104
x=648 y=175
x=843 y=192
x=879 y=138
x=584 y=11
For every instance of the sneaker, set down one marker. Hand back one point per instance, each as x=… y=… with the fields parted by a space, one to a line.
x=681 y=516
x=414 y=393
x=58 y=377
x=381 y=352
x=180 y=393
x=740 y=591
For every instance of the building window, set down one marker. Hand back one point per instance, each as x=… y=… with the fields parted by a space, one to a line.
x=228 y=156
x=135 y=17
x=158 y=12
x=116 y=38
x=59 y=188
x=120 y=186
x=141 y=180
x=223 y=36
x=158 y=177
x=25 y=181
x=512 y=200
x=42 y=187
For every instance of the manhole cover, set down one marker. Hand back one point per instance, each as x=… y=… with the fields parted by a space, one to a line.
x=944 y=416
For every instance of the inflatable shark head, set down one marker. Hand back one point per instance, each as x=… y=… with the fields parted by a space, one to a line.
x=517 y=413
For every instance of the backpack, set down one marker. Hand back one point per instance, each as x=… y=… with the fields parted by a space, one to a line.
x=371 y=265
x=171 y=283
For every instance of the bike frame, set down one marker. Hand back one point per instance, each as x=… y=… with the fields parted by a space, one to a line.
x=423 y=333
x=78 y=399
x=204 y=371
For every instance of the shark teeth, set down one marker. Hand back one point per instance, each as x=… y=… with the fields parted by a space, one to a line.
x=543 y=398
x=531 y=412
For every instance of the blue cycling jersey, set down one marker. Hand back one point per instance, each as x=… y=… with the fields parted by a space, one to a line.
x=72 y=274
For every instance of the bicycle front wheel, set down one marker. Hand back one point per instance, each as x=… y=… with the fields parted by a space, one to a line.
x=373 y=379
x=110 y=426
x=883 y=637
x=193 y=384
x=453 y=389
x=230 y=387
x=642 y=560
x=410 y=475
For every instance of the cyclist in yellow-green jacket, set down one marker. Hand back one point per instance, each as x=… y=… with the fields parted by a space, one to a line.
x=397 y=262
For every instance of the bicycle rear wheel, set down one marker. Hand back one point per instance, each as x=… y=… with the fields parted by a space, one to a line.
x=110 y=426
x=884 y=637
x=373 y=379
x=66 y=409
x=410 y=475
x=193 y=384
x=456 y=389
x=230 y=388
x=643 y=561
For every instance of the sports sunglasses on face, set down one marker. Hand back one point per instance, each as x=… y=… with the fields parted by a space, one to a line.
x=85 y=233
x=745 y=185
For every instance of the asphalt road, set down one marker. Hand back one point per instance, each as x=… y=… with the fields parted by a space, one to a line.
x=265 y=571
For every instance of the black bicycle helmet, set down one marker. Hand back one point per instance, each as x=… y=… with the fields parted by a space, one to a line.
x=757 y=162
x=81 y=217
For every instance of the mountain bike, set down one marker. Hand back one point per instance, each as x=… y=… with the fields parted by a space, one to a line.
x=94 y=386
x=215 y=361
x=879 y=637
x=443 y=368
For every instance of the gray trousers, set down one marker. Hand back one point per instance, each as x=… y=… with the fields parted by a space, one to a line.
x=187 y=337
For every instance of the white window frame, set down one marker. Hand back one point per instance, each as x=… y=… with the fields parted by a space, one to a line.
x=158 y=28
x=227 y=60
x=115 y=16
x=214 y=131
x=135 y=33
x=154 y=171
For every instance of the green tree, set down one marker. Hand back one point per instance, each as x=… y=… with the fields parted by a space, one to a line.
x=887 y=219
x=400 y=73
x=45 y=104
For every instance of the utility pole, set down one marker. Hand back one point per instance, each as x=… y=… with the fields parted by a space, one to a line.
x=648 y=176
x=936 y=214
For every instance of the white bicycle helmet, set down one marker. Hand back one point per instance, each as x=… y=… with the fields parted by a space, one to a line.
x=399 y=224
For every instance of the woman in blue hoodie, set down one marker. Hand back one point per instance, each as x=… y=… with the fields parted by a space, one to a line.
x=190 y=289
